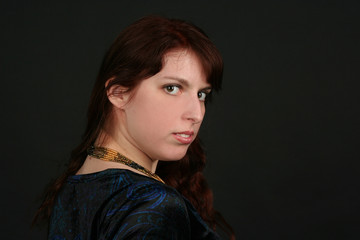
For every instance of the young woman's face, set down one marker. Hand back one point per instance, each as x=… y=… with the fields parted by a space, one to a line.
x=165 y=113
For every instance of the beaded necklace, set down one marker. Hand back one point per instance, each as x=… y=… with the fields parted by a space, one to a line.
x=107 y=154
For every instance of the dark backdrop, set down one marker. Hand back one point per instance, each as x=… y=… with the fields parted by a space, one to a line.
x=282 y=138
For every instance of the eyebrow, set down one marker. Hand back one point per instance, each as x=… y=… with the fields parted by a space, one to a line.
x=186 y=83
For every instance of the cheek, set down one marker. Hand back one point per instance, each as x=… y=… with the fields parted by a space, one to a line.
x=151 y=117
x=152 y=120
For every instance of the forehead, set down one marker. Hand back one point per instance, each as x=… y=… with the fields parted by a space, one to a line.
x=181 y=55
x=183 y=64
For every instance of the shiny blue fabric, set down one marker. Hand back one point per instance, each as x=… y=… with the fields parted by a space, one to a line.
x=120 y=204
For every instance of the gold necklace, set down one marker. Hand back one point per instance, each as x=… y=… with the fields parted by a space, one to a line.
x=107 y=154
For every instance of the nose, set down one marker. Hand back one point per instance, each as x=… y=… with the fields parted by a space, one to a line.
x=194 y=110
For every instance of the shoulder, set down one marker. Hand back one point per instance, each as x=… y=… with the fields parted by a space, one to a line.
x=150 y=195
x=145 y=208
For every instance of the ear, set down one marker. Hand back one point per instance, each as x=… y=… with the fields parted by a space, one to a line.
x=117 y=95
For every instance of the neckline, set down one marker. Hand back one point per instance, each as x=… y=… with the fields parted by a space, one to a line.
x=88 y=177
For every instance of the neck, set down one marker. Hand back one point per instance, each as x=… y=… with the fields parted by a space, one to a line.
x=123 y=146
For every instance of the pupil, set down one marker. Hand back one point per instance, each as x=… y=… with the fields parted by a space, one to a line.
x=170 y=88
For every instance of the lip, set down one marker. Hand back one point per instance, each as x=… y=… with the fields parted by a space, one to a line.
x=180 y=136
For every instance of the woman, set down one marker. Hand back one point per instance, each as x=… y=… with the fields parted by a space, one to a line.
x=147 y=105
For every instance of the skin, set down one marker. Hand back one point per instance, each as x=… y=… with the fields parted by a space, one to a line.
x=146 y=123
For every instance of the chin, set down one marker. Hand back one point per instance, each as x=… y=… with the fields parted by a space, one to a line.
x=175 y=155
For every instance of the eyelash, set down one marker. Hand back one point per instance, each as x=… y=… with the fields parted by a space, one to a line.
x=179 y=87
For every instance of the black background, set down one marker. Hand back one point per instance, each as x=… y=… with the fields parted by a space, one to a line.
x=282 y=138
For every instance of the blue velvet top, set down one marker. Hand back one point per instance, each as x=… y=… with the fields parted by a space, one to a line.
x=121 y=204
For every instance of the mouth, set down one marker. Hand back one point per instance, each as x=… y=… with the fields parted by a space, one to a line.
x=184 y=137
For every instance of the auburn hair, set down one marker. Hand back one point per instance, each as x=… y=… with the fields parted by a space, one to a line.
x=135 y=55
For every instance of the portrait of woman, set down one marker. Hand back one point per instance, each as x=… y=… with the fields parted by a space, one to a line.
x=113 y=125
x=137 y=173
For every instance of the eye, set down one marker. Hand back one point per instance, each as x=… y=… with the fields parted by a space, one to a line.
x=202 y=96
x=172 y=89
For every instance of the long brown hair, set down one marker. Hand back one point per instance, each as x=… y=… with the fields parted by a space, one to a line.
x=136 y=54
